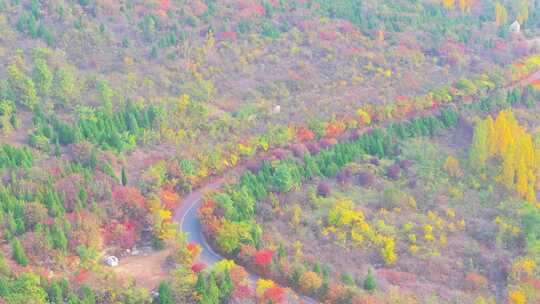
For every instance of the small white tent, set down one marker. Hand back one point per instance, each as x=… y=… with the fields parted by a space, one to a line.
x=111 y=261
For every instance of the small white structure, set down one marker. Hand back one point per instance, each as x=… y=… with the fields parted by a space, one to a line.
x=515 y=27
x=111 y=261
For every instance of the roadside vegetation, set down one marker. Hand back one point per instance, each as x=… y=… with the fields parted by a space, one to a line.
x=366 y=138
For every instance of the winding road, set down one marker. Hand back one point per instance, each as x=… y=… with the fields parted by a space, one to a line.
x=187 y=218
x=188 y=221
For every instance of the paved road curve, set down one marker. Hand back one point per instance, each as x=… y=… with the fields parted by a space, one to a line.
x=186 y=217
x=188 y=221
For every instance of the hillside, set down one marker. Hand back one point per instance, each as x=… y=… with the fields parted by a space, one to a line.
x=113 y=112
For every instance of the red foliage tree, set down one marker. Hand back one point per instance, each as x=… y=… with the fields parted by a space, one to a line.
x=164 y=4
x=328 y=35
x=396 y=277
x=476 y=281
x=227 y=35
x=263 y=257
x=81 y=276
x=337 y=294
x=238 y=274
x=129 y=196
x=206 y=214
x=304 y=134
x=259 y=10
x=170 y=199
x=368 y=299
x=198 y=267
x=334 y=130
x=128 y=239
x=274 y=294
x=194 y=249
x=124 y=234
x=242 y=292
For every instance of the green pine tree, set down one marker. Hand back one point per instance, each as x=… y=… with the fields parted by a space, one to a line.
x=124 y=177
x=88 y=296
x=200 y=286
x=18 y=253
x=226 y=285
x=213 y=291
x=57 y=150
x=4 y=287
x=55 y=293
x=59 y=238
x=165 y=294
x=370 y=284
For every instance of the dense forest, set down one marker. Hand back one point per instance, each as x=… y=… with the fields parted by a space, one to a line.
x=269 y=151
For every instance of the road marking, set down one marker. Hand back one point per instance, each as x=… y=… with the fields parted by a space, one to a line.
x=205 y=243
x=188 y=211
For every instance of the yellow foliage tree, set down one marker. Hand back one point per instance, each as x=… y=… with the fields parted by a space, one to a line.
x=491 y=136
x=343 y=215
x=523 y=268
x=511 y=142
x=501 y=15
x=522 y=171
x=479 y=152
x=344 y=220
x=503 y=130
x=388 y=251
x=210 y=42
x=517 y=297
x=509 y=167
x=310 y=282
x=465 y=6
x=263 y=285
x=451 y=166
x=537 y=167
x=161 y=218
x=296 y=216
x=364 y=116
x=523 y=11
x=380 y=35
x=449 y=4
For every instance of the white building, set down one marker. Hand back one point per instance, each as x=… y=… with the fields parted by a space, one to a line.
x=515 y=27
